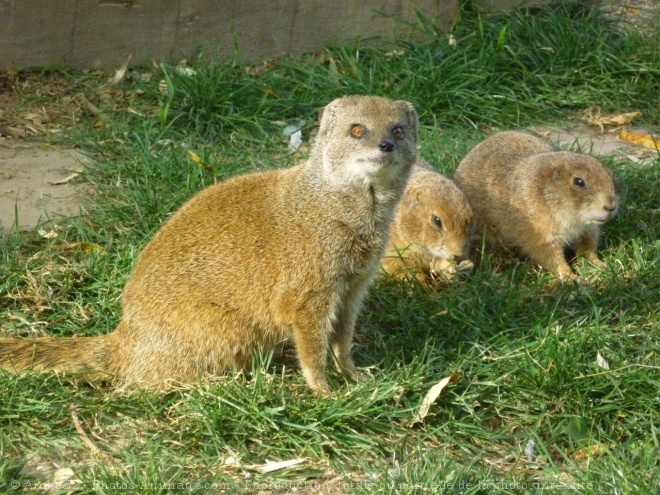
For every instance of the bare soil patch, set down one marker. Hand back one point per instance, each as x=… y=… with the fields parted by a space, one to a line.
x=584 y=138
x=38 y=184
x=38 y=178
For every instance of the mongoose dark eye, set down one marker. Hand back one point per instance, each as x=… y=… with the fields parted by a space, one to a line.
x=357 y=131
x=398 y=132
x=436 y=221
x=579 y=182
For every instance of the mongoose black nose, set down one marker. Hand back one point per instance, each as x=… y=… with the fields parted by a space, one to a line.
x=386 y=145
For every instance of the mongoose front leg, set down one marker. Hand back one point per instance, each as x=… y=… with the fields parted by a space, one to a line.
x=310 y=334
x=343 y=329
x=341 y=343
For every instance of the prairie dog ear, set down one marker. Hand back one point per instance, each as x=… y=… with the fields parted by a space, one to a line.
x=411 y=198
x=559 y=174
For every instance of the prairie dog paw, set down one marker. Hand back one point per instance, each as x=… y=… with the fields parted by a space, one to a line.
x=442 y=269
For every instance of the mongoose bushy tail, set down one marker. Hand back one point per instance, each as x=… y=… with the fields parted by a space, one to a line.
x=90 y=355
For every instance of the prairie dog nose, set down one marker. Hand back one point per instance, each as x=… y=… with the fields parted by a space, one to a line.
x=386 y=145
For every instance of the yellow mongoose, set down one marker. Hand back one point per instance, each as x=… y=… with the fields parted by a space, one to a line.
x=286 y=253
x=430 y=232
x=530 y=197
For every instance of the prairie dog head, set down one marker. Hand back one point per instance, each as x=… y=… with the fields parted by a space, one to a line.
x=367 y=140
x=580 y=190
x=435 y=216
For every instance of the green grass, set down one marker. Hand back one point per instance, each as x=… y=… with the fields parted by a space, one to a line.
x=525 y=348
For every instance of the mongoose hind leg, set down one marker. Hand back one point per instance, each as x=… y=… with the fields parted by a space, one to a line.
x=343 y=328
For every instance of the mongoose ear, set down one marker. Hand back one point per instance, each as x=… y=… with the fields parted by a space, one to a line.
x=328 y=117
x=412 y=117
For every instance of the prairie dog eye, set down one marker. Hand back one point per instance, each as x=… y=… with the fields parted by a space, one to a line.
x=436 y=221
x=357 y=131
x=579 y=182
x=398 y=132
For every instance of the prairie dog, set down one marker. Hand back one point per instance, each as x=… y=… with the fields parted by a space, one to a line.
x=430 y=232
x=528 y=196
x=285 y=253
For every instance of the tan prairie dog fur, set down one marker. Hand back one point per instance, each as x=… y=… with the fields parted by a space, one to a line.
x=430 y=232
x=535 y=199
x=262 y=257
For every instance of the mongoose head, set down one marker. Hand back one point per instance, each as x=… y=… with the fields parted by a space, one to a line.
x=581 y=190
x=435 y=216
x=367 y=140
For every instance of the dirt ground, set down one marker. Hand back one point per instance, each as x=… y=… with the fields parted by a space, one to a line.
x=39 y=182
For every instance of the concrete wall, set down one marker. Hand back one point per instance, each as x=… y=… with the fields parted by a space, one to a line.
x=102 y=33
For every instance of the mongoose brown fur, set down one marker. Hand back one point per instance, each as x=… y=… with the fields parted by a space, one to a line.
x=246 y=263
x=537 y=200
x=430 y=231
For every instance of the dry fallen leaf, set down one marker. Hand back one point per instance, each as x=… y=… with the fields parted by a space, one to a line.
x=66 y=180
x=643 y=139
x=119 y=74
x=294 y=134
x=162 y=87
x=47 y=234
x=85 y=247
x=611 y=120
x=432 y=395
x=271 y=466
x=590 y=451
x=184 y=70
x=269 y=91
x=198 y=160
x=600 y=361
x=63 y=478
x=529 y=451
